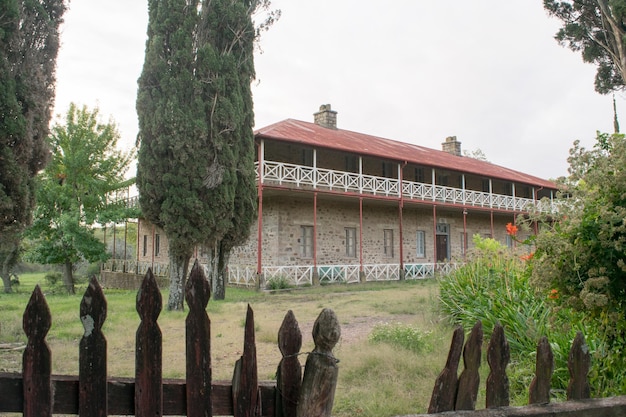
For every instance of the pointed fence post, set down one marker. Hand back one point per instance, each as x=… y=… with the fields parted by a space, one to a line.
x=578 y=364
x=539 y=391
x=246 y=398
x=498 y=356
x=317 y=392
x=470 y=379
x=149 y=348
x=289 y=372
x=444 y=392
x=198 y=344
x=92 y=391
x=36 y=361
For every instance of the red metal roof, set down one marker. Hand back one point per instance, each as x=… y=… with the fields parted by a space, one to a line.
x=313 y=135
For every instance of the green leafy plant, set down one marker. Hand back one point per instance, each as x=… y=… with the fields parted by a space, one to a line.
x=278 y=283
x=400 y=335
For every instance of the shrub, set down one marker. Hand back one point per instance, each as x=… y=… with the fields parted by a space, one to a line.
x=54 y=278
x=400 y=335
x=278 y=283
x=494 y=287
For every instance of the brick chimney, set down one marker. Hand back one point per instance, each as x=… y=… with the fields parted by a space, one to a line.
x=326 y=117
x=451 y=145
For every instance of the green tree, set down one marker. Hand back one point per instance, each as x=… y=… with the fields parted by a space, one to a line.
x=29 y=42
x=74 y=189
x=195 y=170
x=583 y=253
x=596 y=29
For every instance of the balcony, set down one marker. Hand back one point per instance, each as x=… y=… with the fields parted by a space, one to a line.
x=285 y=174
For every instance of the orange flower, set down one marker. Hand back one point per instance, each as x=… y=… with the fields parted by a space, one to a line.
x=527 y=257
x=511 y=229
x=554 y=294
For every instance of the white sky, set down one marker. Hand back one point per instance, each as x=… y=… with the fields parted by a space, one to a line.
x=486 y=71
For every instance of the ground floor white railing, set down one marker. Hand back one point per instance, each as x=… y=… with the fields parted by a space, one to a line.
x=298 y=275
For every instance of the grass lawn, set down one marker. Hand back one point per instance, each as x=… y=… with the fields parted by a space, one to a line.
x=376 y=378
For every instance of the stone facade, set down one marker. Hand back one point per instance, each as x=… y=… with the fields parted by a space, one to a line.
x=284 y=217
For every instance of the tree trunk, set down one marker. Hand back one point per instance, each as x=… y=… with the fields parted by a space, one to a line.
x=5 y=272
x=6 y=280
x=178 y=271
x=219 y=290
x=9 y=255
x=68 y=277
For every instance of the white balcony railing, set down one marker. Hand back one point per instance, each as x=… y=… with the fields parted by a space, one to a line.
x=324 y=179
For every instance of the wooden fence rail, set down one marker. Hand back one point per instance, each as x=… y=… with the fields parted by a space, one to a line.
x=36 y=392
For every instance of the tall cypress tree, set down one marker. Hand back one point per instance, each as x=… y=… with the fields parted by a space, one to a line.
x=196 y=157
x=29 y=43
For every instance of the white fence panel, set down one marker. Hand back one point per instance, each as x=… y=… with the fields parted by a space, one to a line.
x=297 y=275
x=240 y=275
x=382 y=272
x=331 y=274
x=419 y=271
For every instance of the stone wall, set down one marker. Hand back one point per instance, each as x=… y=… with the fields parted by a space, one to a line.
x=125 y=281
x=283 y=218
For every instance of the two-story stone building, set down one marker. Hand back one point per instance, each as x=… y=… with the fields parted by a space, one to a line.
x=341 y=206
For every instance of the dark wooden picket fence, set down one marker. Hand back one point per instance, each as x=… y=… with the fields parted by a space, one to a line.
x=455 y=395
x=35 y=392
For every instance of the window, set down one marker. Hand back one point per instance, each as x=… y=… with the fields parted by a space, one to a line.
x=145 y=245
x=387 y=170
x=419 y=174
x=351 y=242
x=486 y=187
x=306 y=241
x=351 y=165
x=307 y=157
x=421 y=244
x=388 y=243
x=157 y=244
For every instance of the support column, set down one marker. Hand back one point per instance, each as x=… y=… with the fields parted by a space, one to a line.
x=125 y=244
x=138 y=235
x=153 y=233
x=400 y=208
x=464 y=234
x=492 y=235
x=433 y=179
x=315 y=278
x=259 y=243
x=361 y=271
x=434 y=234
x=114 y=240
x=463 y=187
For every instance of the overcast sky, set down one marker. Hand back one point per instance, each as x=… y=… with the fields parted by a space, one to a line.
x=486 y=71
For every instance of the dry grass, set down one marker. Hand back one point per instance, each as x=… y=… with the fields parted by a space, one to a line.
x=374 y=379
